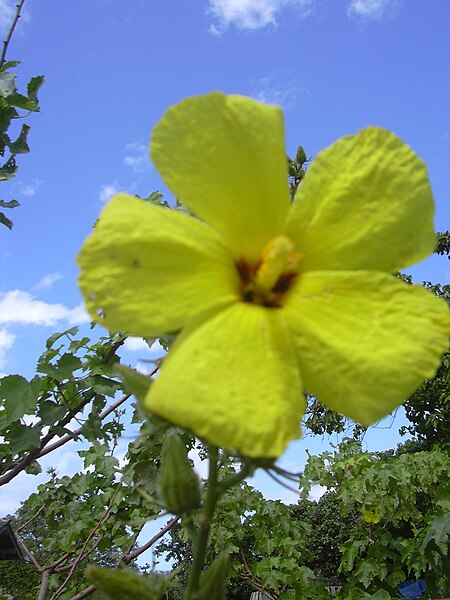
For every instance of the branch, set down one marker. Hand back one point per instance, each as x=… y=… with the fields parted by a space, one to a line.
x=80 y=557
x=44 y=585
x=127 y=558
x=85 y=593
x=57 y=562
x=46 y=449
x=68 y=437
x=38 y=452
x=30 y=555
x=11 y=31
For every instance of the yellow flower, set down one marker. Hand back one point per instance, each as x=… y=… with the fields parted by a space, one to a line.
x=271 y=297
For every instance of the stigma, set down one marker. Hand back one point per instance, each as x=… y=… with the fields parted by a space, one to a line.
x=266 y=282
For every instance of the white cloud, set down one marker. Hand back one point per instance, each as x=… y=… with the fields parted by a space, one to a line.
x=7 y=11
x=107 y=191
x=48 y=280
x=29 y=189
x=21 y=307
x=200 y=466
x=317 y=491
x=137 y=344
x=138 y=159
x=278 y=88
x=371 y=10
x=7 y=339
x=253 y=14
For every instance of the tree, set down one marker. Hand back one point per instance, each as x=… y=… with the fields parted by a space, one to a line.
x=11 y=103
x=399 y=505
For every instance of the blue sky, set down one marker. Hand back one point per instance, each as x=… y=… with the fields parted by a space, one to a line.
x=112 y=68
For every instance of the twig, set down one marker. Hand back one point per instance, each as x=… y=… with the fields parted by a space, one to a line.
x=85 y=593
x=31 y=519
x=57 y=562
x=11 y=31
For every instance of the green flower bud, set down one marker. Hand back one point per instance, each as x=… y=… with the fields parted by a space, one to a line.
x=213 y=581
x=179 y=486
x=119 y=584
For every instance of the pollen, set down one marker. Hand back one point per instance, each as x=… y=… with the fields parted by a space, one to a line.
x=266 y=282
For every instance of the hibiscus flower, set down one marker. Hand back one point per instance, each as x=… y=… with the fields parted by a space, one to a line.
x=271 y=297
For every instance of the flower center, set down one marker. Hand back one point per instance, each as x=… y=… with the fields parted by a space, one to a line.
x=266 y=282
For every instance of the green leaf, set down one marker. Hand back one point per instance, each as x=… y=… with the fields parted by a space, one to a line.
x=21 y=101
x=154 y=198
x=442 y=498
x=7 y=84
x=5 y=221
x=67 y=365
x=34 y=468
x=381 y=595
x=64 y=368
x=9 y=65
x=53 y=338
x=9 y=203
x=50 y=412
x=7 y=113
x=24 y=437
x=438 y=534
x=136 y=383
x=20 y=146
x=33 y=87
x=8 y=170
x=18 y=398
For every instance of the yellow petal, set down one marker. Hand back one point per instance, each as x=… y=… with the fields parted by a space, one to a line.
x=365 y=203
x=365 y=340
x=146 y=270
x=224 y=157
x=234 y=381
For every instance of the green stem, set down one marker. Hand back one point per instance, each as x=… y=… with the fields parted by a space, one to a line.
x=201 y=543
x=233 y=480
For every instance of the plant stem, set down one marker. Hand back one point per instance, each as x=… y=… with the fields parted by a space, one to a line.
x=233 y=480
x=11 y=31
x=201 y=543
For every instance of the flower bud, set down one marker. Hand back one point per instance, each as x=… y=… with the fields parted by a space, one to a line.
x=119 y=584
x=179 y=486
x=213 y=581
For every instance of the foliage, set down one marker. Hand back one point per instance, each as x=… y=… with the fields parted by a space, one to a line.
x=428 y=409
x=329 y=526
x=97 y=513
x=11 y=104
x=443 y=244
x=75 y=375
x=409 y=492
x=296 y=170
